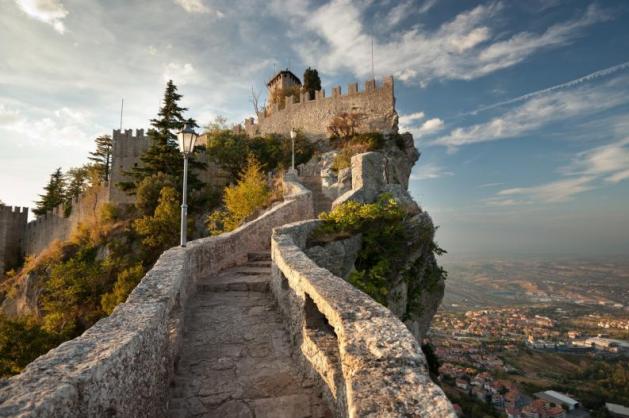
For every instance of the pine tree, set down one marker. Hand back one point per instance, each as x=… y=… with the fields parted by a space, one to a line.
x=54 y=194
x=102 y=156
x=163 y=154
x=312 y=82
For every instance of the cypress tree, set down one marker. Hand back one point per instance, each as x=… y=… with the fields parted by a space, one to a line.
x=163 y=154
x=312 y=82
x=102 y=156
x=54 y=194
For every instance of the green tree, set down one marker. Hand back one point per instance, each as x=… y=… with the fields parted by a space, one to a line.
x=125 y=283
x=160 y=231
x=54 y=194
x=149 y=190
x=241 y=200
x=22 y=340
x=312 y=82
x=163 y=154
x=77 y=180
x=102 y=156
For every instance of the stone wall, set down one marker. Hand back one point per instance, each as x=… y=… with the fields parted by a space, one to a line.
x=12 y=228
x=122 y=366
x=370 y=363
x=312 y=117
x=55 y=226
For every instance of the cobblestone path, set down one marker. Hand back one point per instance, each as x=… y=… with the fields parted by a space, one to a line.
x=235 y=359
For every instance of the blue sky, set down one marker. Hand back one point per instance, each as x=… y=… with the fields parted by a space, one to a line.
x=520 y=109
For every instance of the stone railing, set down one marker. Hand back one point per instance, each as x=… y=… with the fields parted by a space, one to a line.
x=122 y=366
x=368 y=363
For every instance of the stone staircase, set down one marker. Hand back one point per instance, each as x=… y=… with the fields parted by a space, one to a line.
x=321 y=202
x=235 y=359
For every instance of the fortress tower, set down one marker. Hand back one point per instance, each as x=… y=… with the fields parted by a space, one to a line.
x=12 y=229
x=125 y=155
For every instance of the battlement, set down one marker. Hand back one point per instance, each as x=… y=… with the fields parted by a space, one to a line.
x=13 y=210
x=127 y=134
x=375 y=101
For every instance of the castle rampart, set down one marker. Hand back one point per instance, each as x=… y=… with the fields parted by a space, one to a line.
x=12 y=229
x=376 y=103
x=54 y=225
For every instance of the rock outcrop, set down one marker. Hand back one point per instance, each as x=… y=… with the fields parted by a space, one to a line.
x=417 y=288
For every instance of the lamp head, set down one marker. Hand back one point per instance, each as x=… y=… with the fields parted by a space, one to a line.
x=187 y=139
x=293 y=133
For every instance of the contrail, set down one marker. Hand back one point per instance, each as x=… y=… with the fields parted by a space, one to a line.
x=592 y=76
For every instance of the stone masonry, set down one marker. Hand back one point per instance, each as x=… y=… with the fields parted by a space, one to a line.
x=12 y=227
x=312 y=117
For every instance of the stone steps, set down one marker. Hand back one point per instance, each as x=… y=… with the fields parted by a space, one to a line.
x=253 y=276
x=259 y=256
x=321 y=202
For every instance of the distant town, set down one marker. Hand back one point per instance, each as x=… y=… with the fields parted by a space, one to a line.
x=542 y=356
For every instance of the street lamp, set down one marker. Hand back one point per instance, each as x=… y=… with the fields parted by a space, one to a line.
x=187 y=138
x=293 y=135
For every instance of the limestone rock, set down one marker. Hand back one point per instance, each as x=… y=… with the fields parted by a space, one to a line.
x=337 y=256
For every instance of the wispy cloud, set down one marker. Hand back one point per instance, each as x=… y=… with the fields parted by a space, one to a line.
x=51 y=12
x=539 y=111
x=465 y=47
x=429 y=171
x=592 y=76
x=589 y=170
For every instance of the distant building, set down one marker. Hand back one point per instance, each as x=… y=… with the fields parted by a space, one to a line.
x=558 y=398
x=617 y=411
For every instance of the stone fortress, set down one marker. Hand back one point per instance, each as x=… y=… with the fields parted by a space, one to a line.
x=376 y=102
x=254 y=322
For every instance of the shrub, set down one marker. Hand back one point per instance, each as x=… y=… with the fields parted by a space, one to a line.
x=161 y=230
x=241 y=200
x=381 y=225
x=357 y=144
x=148 y=192
x=344 y=125
x=125 y=283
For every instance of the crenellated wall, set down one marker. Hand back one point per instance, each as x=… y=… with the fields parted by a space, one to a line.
x=39 y=233
x=12 y=229
x=312 y=117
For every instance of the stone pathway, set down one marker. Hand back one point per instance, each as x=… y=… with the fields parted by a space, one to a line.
x=321 y=202
x=235 y=359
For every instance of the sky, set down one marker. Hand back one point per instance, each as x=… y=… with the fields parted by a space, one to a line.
x=520 y=109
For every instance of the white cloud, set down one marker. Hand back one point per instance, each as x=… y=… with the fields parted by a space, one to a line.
x=539 y=111
x=197 y=6
x=429 y=171
x=589 y=170
x=556 y=191
x=181 y=74
x=51 y=12
x=465 y=47
x=406 y=120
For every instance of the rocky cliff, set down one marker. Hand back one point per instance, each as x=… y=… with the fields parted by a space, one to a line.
x=416 y=286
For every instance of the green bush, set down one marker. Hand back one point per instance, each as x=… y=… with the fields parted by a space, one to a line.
x=125 y=283
x=384 y=241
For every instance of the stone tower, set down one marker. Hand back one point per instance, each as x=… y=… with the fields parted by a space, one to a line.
x=12 y=229
x=125 y=154
x=283 y=80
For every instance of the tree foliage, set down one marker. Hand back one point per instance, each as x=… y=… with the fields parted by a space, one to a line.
x=101 y=157
x=230 y=150
x=54 y=194
x=125 y=282
x=312 y=82
x=345 y=124
x=163 y=154
x=241 y=200
x=160 y=231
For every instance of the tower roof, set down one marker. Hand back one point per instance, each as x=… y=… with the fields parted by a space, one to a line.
x=286 y=73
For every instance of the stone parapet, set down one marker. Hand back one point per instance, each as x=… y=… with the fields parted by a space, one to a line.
x=370 y=363
x=122 y=366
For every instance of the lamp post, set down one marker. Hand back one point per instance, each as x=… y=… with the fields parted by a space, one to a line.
x=187 y=138
x=293 y=135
